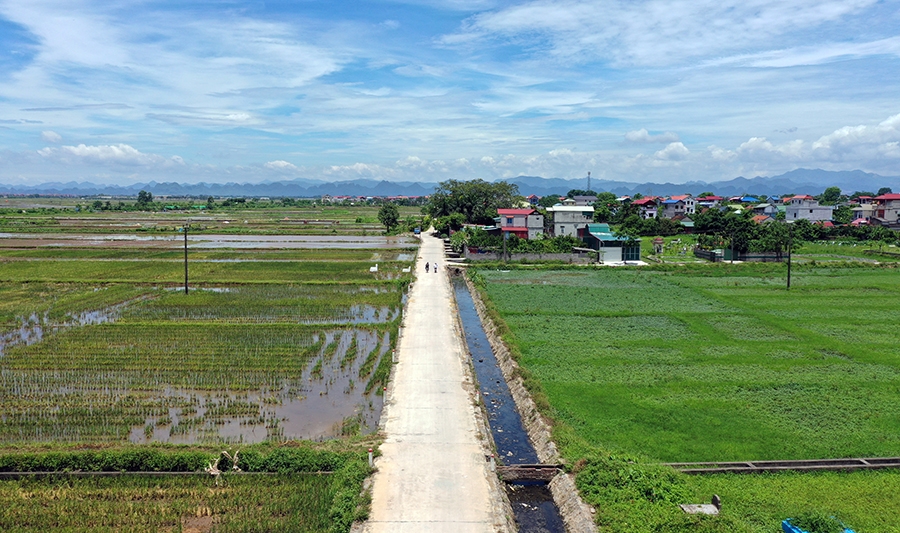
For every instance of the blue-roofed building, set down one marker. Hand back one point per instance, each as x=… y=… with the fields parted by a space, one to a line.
x=672 y=208
x=613 y=248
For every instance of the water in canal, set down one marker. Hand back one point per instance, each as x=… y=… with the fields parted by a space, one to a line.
x=532 y=503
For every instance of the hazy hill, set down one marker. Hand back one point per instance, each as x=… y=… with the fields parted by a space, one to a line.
x=800 y=181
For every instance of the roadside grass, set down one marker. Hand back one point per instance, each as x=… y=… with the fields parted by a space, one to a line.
x=721 y=363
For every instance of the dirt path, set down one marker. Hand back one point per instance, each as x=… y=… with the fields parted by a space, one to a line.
x=432 y=475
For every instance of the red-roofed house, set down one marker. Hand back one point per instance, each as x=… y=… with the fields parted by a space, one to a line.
x=523 y=223
x=887 y=209
x=647 y=206
x=690 y=203
x=709 y=201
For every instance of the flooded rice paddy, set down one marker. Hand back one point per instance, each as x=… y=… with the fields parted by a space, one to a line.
x=203 y=241
x=335 y=389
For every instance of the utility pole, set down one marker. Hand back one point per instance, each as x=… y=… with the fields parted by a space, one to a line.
x=186 y=226
x=505 y=238
x=790 y=245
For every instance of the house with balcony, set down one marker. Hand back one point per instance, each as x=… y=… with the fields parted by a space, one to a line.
x=806 y=207
x=569 y=219
x=647 y=207
x=672 y=208
x=523 y=223
x=690 y=203
x=887 y=210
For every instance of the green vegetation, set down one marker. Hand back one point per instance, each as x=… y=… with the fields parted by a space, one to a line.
x=711 y=363
x=291 y=500
x=477 y=200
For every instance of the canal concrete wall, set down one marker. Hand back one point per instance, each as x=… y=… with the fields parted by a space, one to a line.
x=577 y=515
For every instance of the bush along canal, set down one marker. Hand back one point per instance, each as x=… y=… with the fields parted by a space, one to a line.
x=531 y=501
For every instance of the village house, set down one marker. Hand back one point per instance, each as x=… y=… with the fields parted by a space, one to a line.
x=887 y=210
x=806 y=207
x=613 y=248
x=584 y=200
x=863 y=209
x=709 y=201
x=647 y=207
x=672 y=208
x=569 y=219
x=762 y=219
x=690 y=203
x=523 y=223
x=765 y=209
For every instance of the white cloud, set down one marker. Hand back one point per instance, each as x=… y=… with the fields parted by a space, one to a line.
x=673 y=152
x=281 y=165
x=118 y=153
x=651 y=32
x=643 y=136
x=51 y=137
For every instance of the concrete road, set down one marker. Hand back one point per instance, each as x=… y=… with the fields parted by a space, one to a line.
x=432 y=476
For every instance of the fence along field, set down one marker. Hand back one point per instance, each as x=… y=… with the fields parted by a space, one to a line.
x=268 y=350
x=712 y=364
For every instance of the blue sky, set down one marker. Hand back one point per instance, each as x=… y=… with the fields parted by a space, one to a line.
x=427 y=90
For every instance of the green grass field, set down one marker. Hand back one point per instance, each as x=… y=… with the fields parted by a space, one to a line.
x=712 y=363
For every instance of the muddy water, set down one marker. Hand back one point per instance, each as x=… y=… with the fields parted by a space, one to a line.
x=532 y=503
x=314 y=405
x=31 y=329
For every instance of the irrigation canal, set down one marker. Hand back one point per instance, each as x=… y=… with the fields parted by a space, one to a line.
x=532 y=503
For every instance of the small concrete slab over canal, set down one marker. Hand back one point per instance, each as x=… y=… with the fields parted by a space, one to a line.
x=432 y=475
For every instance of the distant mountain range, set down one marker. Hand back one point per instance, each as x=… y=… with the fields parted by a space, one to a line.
x=800 y=181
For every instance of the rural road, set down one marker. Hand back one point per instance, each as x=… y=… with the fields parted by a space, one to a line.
x=432 y=475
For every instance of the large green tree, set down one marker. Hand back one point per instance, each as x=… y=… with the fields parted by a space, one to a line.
x=477 y=199
x=549 y=200
x=389 y=215
x=830 y=196
x=144 y=198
